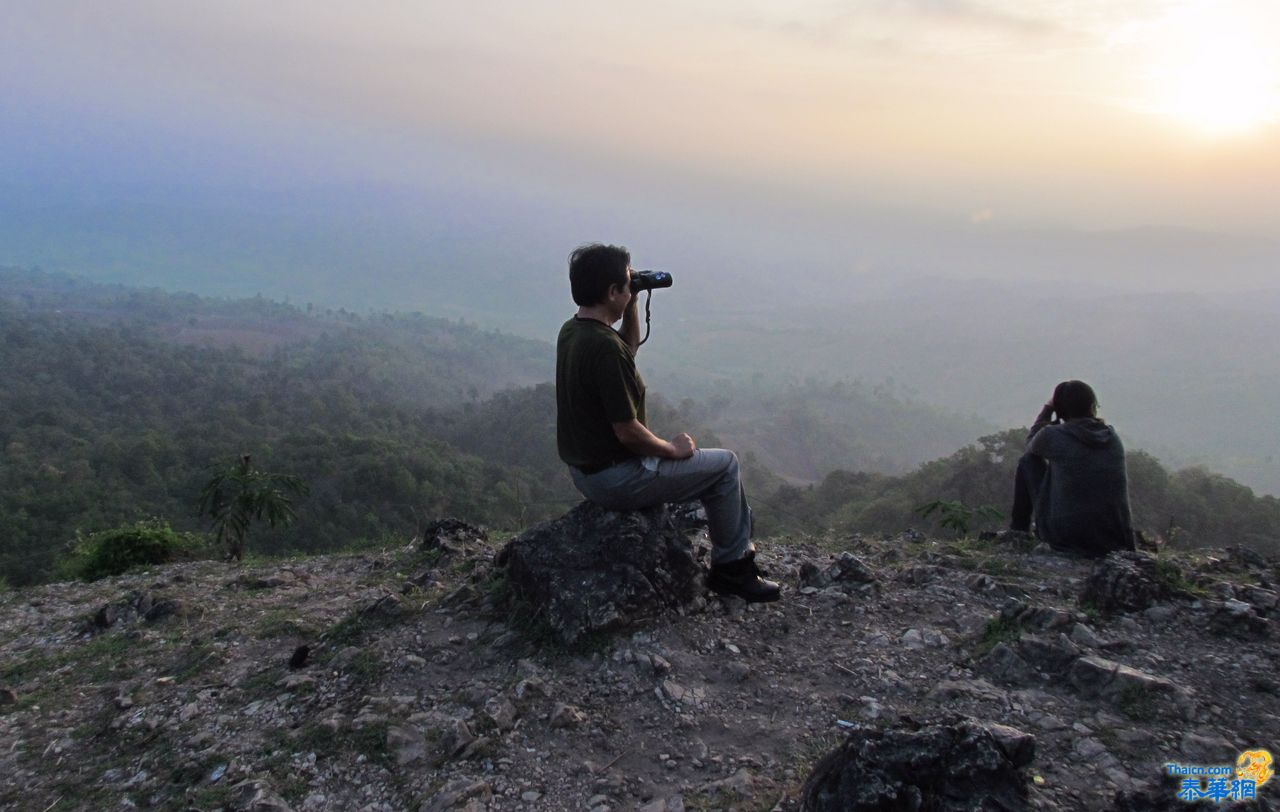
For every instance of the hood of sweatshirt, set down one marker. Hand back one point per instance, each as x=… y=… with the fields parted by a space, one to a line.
x=1091 y=431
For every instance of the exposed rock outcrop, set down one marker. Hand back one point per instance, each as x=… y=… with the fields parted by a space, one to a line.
x=1125 y=582
x=595 y=569
x=958 y=764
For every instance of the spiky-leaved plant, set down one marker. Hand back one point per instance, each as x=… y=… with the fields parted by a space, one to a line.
x=239 y=493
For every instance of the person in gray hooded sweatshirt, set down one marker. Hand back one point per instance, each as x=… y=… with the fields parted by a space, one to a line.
x=1072 y=478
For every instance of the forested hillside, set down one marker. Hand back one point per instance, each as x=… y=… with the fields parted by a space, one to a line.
x=112 y=410
x=115 y=403
x=1192 y=507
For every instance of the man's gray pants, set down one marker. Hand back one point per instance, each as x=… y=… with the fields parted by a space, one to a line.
x=711 y=476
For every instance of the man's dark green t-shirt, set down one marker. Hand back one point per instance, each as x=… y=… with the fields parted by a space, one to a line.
x=597 y=385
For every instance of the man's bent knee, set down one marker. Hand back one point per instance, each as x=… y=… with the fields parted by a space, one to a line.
x=721 y=458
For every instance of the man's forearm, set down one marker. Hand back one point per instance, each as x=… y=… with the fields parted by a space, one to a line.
x=637 y=439
x=630 y=329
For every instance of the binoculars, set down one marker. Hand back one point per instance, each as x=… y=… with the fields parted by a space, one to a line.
x=648 y=280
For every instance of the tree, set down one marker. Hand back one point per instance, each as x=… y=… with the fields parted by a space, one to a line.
x=240 y=493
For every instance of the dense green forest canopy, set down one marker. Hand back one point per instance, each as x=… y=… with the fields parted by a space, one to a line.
x=116 y=402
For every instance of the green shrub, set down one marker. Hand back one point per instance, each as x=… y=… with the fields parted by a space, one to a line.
x=112 y=552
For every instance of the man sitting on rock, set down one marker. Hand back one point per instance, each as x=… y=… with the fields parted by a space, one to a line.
x=601 y=434
x=1073 y=478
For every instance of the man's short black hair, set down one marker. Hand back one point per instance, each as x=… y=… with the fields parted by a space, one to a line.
x=593 y=269
x=1073 y=399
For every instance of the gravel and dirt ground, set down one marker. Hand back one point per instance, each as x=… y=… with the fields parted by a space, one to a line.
x=405 y=679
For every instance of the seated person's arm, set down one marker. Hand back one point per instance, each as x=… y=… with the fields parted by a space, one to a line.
x=1043 y=419
x=630 y=329
x=636 y=438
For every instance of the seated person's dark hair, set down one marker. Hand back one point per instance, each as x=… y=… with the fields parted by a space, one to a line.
x=593 y=269
x=1073 y=399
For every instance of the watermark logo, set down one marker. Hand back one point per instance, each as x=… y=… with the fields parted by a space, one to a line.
x=1224 y=782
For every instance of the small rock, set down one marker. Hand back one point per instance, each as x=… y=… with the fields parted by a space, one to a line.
x=107 y=616
x=527 y=689
x=669 y=689
x=813 y=577
x=296 y=682
x=388 y=607
x=448 y=532
x=1085 y=636
x=852 y=568
x=1098 y=677
x=740 y=785
x=564 y=716
x=1003 y=664
x=456 y=792
x=1018 y=747
x=502 y=712
x=407 y=743
x=1090 y=749
x=8 y=696
x=1207 y=748
x=738 y=671
x=162 y=609
x=256 y=795
x=913 y=639
x=530 y=796
x=871 y=707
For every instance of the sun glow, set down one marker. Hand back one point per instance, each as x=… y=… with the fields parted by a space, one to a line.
x=1214 y=72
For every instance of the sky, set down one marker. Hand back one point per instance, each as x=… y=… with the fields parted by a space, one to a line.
x=977 y=162
x=978 y=114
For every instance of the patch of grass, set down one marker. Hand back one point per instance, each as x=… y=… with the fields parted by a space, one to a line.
x=348 y=631
x=76 y=793
x=262 y=682
x=94 y=661
x=280 y=623
x=353 y=628
x=1091 y=611
x=366 y=666
x=1000 y=566
x=974 y=555
x=425 y=558
x=1137 y=704
x=369 y=741
x=193 y=662
x=279 y=748
x=999 y=629
x=1174 y=579
x=716 y=800
x=210 y=796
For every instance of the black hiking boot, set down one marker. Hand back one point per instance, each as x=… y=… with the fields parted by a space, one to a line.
x=742 y=578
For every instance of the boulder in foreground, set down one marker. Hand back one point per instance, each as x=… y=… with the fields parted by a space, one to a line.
x=594 y=569
x=956 y=764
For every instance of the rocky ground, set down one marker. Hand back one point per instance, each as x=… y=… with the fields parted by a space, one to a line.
x=409 y=679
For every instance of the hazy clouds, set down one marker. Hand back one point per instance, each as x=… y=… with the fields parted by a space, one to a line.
x=1036 y=111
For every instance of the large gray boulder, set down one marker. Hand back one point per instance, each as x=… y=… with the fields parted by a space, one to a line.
x=1125 y=582
x=594 y=569
x=955 y=764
